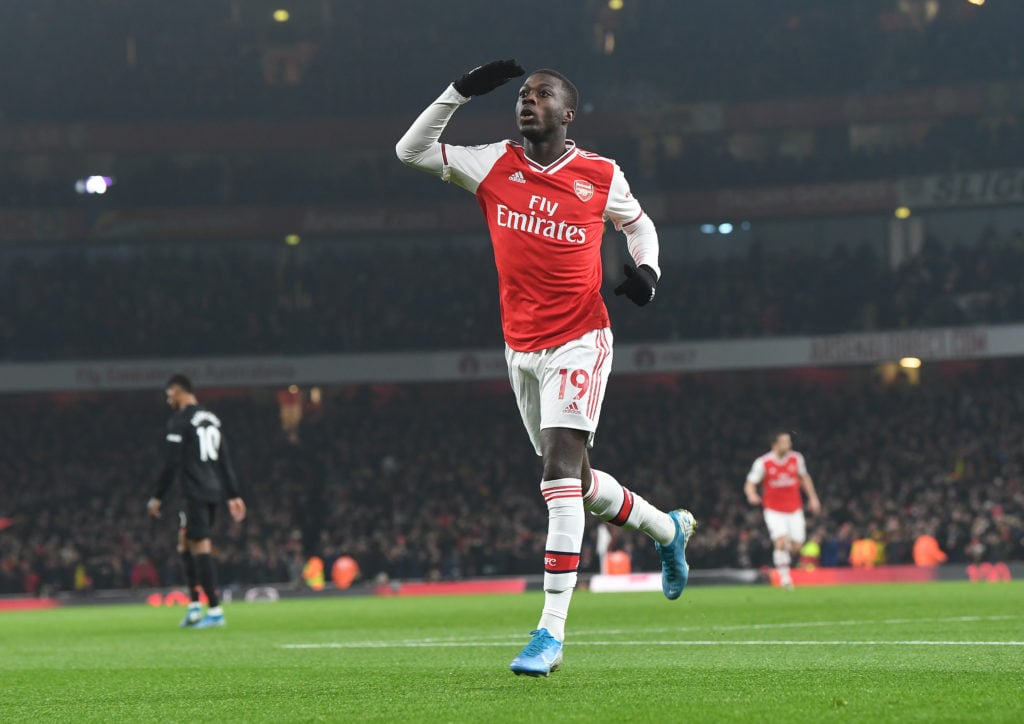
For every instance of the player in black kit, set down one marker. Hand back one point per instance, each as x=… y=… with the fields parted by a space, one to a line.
x=195 y=449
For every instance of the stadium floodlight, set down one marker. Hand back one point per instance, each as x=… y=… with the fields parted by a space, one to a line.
x=615 y=4
x=708 y=228
x=93 y=184
x=910 y=363
x=292 y=239
x=902 y=212
x=725 y=228
x=282 y=16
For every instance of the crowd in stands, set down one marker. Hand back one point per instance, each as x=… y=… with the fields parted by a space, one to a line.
x=333 y=297
x=372 y=473
x=677 y=162
x=226 y=58
x=440 y=482
x=74 y=475
x=954 y=145
x=239 y=64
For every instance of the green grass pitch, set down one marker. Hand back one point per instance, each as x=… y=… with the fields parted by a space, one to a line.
x=933 y=652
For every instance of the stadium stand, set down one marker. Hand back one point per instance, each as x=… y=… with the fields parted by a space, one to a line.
x=240 y=67
x=901 y=88
x=672 y=161
x=123 y=301
x=375 y=475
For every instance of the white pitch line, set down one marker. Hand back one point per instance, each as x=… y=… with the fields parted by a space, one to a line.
x=477 y=644
x=799 y=643
x=474 y=640
x=503 y=639
x=798 y=624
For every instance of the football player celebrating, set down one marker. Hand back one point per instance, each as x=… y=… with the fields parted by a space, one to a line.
x=546 y=202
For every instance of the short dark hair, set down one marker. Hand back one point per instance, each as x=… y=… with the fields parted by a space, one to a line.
x=179 y=380
x=779 y=432
x=573 y=95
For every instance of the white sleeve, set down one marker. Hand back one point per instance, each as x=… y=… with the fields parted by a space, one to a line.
x=465 y=166
x=756 y=474
x=625 y=212
x=801 y=466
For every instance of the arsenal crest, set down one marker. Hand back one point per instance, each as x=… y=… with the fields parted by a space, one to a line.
x=583 y=189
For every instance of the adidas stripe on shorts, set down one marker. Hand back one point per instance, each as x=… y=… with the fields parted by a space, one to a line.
x=562 y=386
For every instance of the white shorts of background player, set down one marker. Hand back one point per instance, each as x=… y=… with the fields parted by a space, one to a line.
x=791 y=525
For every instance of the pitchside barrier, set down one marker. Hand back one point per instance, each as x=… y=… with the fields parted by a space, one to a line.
x=981 y=573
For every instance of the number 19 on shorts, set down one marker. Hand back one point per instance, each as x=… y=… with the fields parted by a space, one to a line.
x=579 y=380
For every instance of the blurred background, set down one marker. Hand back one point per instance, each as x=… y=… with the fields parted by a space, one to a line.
x=211 y=186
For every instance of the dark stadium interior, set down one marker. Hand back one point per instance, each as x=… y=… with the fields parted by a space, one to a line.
x=372 y=475
x=129 y=297
x=136 y=64
x=249 y=203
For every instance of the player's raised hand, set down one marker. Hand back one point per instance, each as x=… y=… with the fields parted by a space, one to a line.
x=485 y=78
x=236 y=506
x=639 y=284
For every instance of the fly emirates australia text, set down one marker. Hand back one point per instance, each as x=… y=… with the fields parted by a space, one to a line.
x=538 y=221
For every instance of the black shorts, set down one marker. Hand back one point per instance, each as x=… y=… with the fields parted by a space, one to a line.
x=197 y=519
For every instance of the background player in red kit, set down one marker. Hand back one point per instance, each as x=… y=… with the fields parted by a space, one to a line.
x=782 y=473
x=546 y=203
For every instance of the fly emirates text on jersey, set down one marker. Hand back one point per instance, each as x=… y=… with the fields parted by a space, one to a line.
x=533 y=223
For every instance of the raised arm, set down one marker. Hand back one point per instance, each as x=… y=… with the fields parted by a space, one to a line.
x=419 y=147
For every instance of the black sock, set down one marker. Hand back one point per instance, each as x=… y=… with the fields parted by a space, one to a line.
x=204 y=563
x=191 y=577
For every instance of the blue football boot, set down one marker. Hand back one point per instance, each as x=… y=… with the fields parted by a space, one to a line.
x=192 y=616
x=540 y=657
x=211 y=621
x=674 y=569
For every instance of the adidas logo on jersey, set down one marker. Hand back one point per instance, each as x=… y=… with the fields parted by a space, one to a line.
x=572 y=409
x=517 y=177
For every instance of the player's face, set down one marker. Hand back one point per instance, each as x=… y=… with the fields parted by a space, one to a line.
x=542 y=109
x=174 y=395
x=783 y=444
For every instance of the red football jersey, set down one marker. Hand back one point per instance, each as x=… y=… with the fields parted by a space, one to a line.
x=546 y=224
x=780 y=480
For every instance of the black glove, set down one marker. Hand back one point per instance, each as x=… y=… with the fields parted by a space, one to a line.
x=639 y=284
x=485 y=78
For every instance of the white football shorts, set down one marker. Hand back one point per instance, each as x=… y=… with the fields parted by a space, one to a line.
x=562 y=386
x=792 y=525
